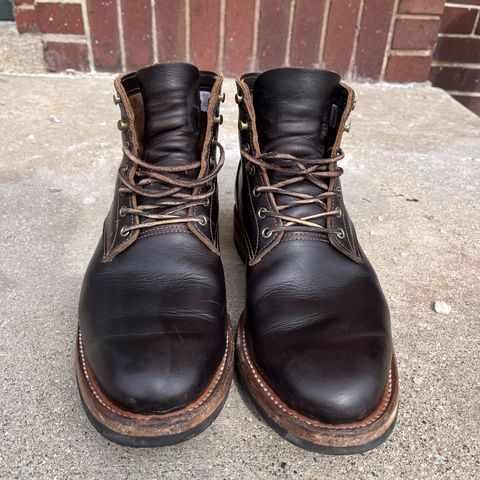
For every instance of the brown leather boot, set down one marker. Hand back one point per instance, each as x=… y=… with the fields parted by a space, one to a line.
x=154 y=356
x=314 y=342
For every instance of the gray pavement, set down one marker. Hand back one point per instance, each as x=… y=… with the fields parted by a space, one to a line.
x=411 y=181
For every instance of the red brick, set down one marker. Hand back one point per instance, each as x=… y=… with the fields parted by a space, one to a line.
x=306 y=31
x=272 y=33
x=204 y=33
x=472 y=103
x=170 y=30
x=103 y=21
x=372 y=40
x=340 y=35
x=239 y=21
x=415 y=34
x=458 y=20
x=26 y=19
x=23 y=2
x=59 y=56
x=456 y=78
x=60 y=18
x=404 y=69
x=421 y=6
x=451 y=49
x=137 y=33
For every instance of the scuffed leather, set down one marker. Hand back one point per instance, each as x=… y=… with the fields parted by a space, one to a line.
x=153 y=315
x=153 y=322
x=316 y=321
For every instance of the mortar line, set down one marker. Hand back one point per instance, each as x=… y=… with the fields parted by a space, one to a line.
x=153 y=9
x=477 y=21
x=187 y=31
x=256 y=22
x=465 y=94
x=358 y=25
x=462 y=5
x=323 y=36
x=388 y=45
x=440 y=63
x=121 y=35
x=221 y=37
x=88 y=35
x=291 y=15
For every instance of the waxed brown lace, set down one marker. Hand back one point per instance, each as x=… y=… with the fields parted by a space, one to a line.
x=298 y=170
x=171 y=191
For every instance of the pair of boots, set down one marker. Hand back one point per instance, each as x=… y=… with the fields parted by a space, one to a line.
x=155 y=344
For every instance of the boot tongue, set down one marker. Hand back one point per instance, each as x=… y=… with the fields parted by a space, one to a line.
x=292 y=108
x=171 y=101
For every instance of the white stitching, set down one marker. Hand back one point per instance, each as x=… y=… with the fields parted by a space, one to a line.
x=118 y=412
x=312 y=423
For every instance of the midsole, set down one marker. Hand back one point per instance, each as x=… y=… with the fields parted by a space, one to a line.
x=311 y=430
x=136 y=424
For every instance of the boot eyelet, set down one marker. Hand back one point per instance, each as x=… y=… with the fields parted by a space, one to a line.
x=242 y=126
x=124 y=232
x=122 y=212
x=206 y=203
x=256 y=193
x=117 y=100
x=340 y=233
x=238 y=98
x=252 y=170
x=218 y=119
x=122 y=126
x=221 y=97
x=262 y=212
x=266 y=233
x=203 y=221
x=340 y=213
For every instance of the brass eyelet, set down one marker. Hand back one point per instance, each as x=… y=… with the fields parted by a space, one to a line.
x=206 y=203
x=121 y=125
x=218 y=119
x=262 y=212
x=266 y=233
x=346 y=128
x=122 y=212
x=221 y=97
x=203 y=221
x=340 y=233
x=238 y=99
x=256 y=193
x=117 y=99
x=339 y=214
x=124 y=232
x=242 y=125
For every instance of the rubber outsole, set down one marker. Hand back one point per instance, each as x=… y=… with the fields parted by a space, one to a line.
x=153 y=430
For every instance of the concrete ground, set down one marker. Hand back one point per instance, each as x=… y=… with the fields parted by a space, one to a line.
x=19 y=53
x=411 y=182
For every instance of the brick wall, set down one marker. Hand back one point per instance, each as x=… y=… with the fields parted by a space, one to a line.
x=362 y=39
x=456 y=61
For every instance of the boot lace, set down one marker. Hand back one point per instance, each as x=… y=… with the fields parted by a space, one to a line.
x=170 y=191
x=298 y=170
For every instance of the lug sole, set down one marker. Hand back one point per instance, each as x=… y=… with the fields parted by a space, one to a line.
x=153 y=430
x=311 y=434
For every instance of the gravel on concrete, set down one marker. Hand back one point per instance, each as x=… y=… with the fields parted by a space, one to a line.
x=411 y=182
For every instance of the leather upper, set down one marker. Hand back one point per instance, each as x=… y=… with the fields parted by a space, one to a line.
x=316 y=322
x=152 y=309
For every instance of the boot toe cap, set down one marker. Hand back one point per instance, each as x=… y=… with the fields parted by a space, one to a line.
x=334 y=383
x=157 y=374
